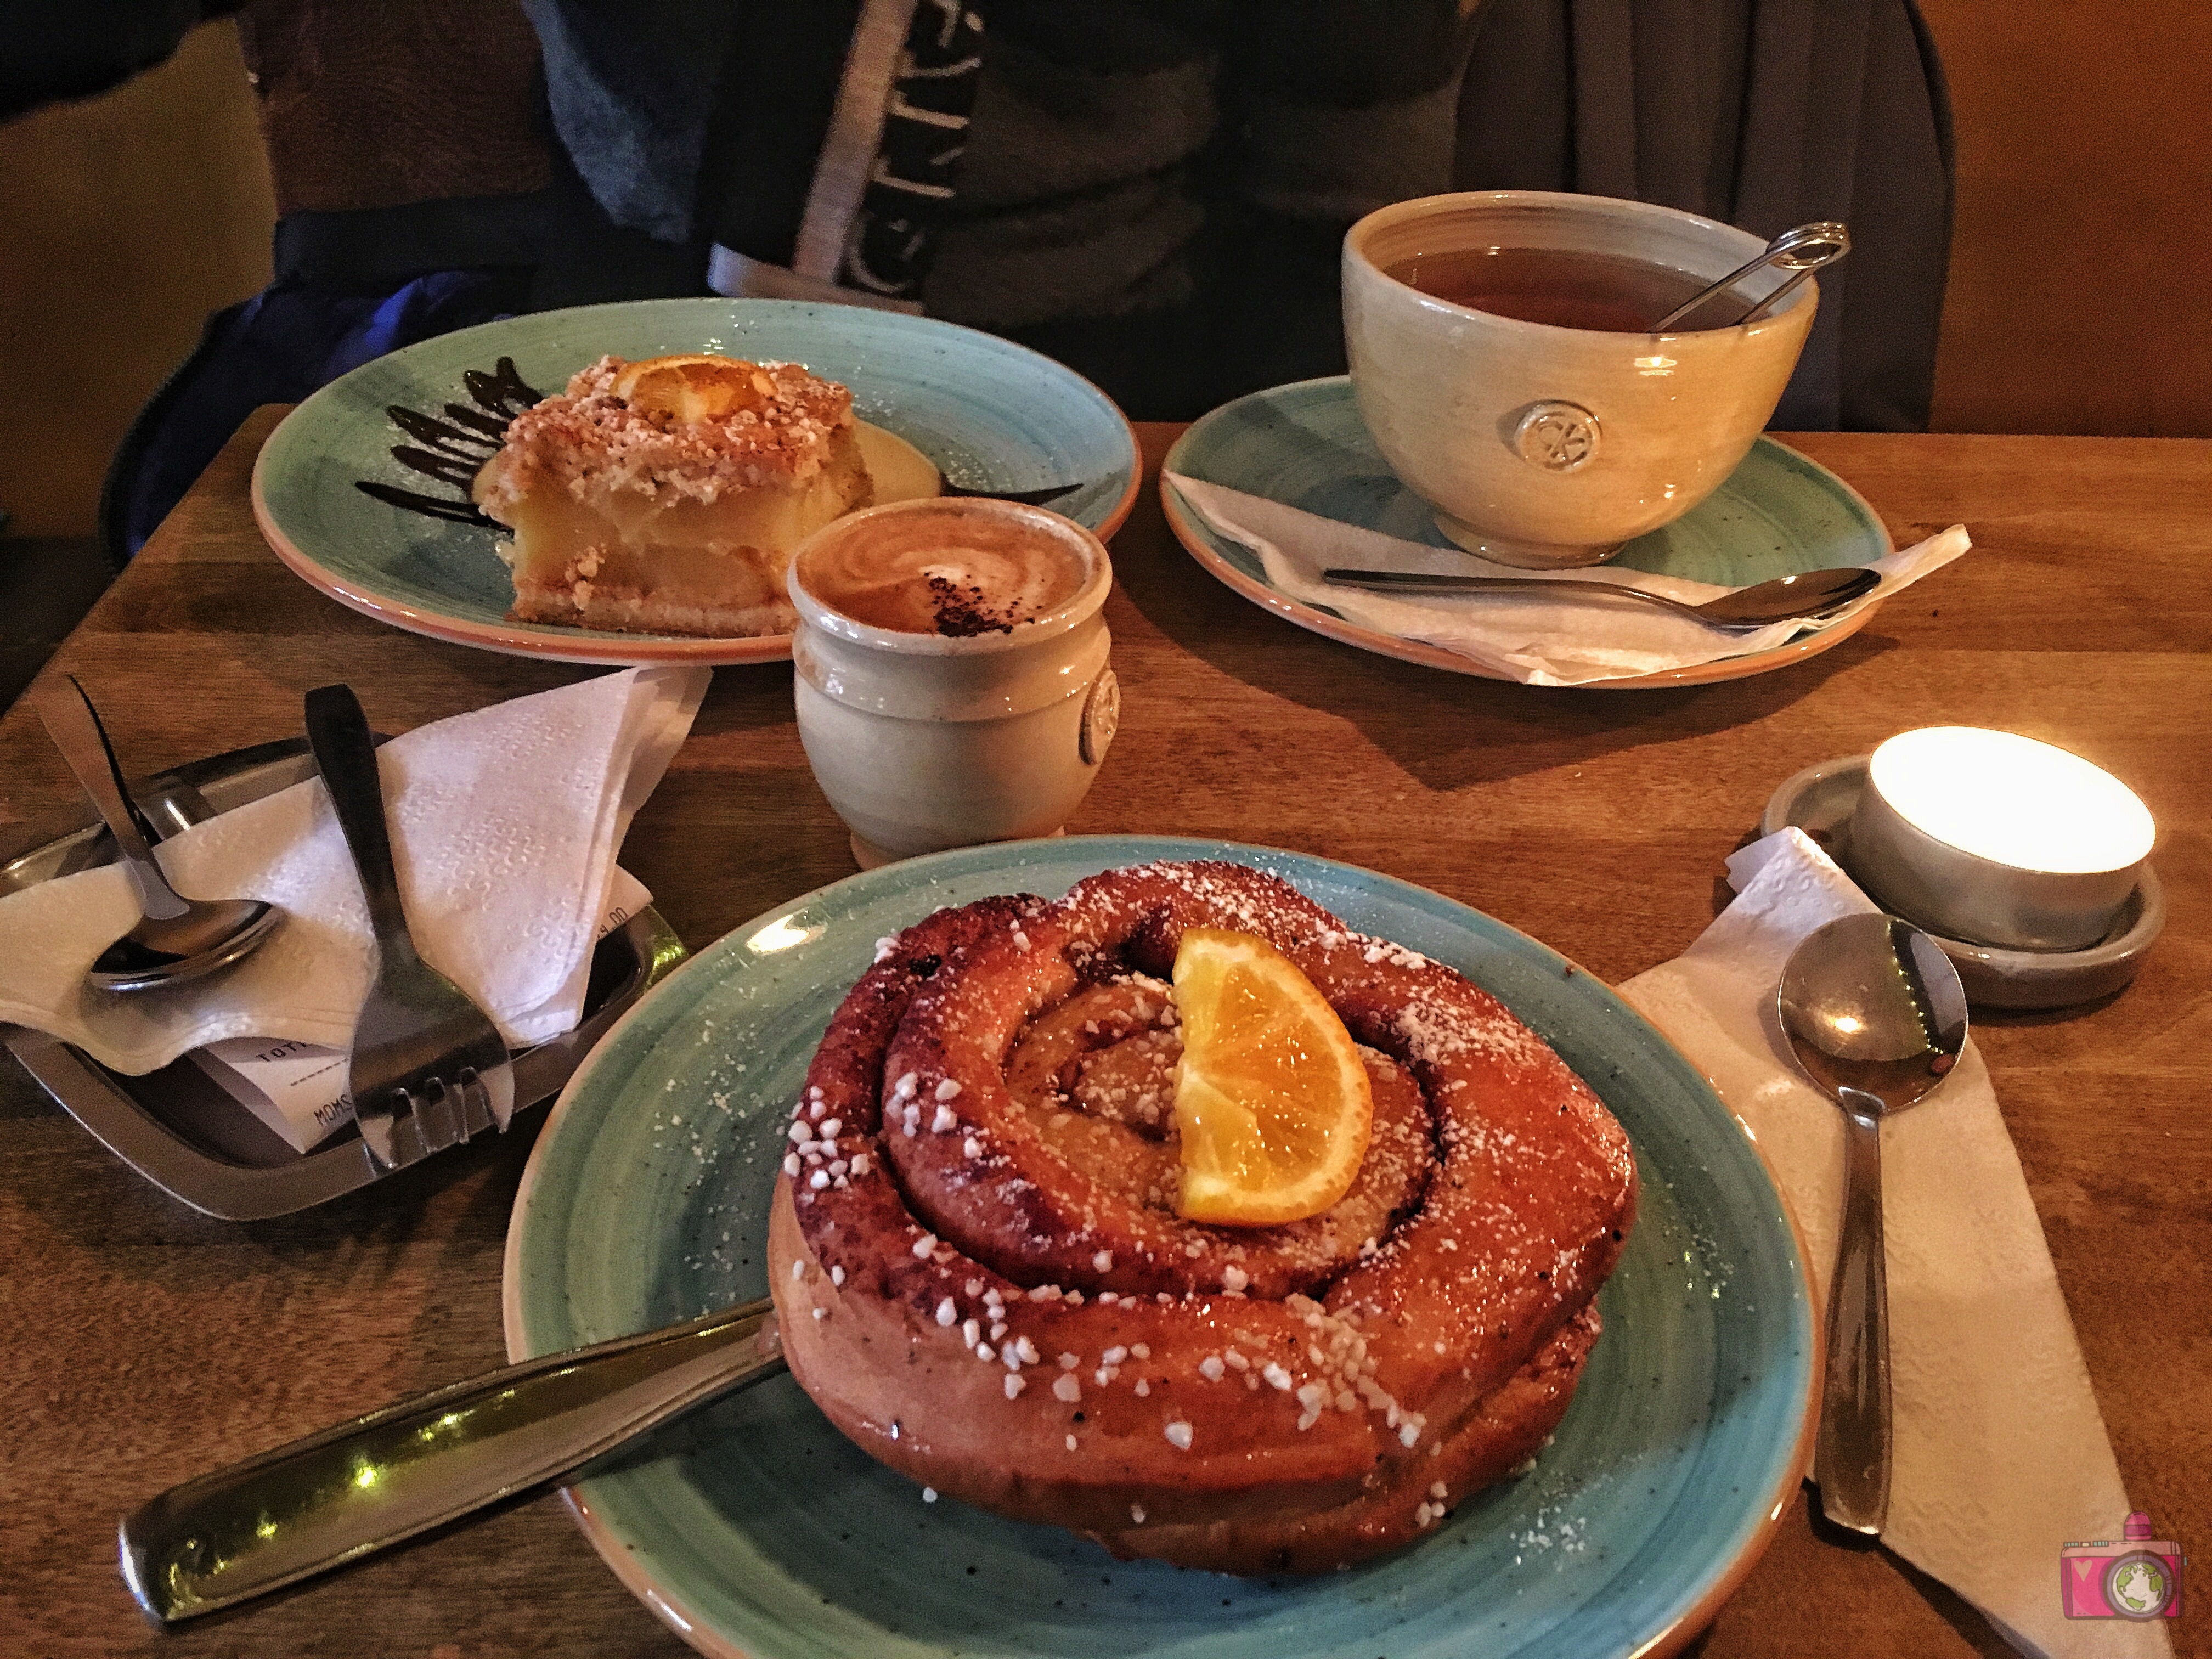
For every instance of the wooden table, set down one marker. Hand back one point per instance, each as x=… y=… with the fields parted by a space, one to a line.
x=145 y=1343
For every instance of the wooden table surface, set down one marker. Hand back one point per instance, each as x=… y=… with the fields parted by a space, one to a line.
x=146 y=1343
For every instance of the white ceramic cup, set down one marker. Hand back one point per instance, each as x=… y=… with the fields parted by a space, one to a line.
x=925 y=741
x=1547 y=446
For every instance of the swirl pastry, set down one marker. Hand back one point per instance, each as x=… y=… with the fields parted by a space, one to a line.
x=983 y=1282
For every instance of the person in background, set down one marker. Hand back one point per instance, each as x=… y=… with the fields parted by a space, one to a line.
x=1152 y=192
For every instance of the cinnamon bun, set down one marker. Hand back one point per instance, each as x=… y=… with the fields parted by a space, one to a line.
x=983 y=1282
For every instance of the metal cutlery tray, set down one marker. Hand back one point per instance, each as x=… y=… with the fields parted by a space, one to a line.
x=176 y=1126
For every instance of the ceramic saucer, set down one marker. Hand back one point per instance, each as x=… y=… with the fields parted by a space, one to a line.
x=1304 y=446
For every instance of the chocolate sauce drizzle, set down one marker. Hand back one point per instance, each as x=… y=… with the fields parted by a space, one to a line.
x=454 y=450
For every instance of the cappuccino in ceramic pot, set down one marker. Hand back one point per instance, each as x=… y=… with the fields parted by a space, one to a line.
x=958 y=573
x=951 y=683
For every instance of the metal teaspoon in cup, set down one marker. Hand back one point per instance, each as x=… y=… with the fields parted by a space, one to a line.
x=1875 y=1015
x=1801 y=251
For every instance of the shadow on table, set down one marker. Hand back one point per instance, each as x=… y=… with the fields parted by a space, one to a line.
x=2061 y=1016
x=1849 y=1631
x=1972 y=1626
x=46 y=585
x=745 y=697
x=1448 y=730
x=459 y=1199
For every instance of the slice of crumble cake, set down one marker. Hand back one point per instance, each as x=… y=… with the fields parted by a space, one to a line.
x=666 y=495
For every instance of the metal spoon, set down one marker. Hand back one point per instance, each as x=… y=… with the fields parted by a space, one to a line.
x=177 y=938
x=1874 y=1013
x=1808 y=595
x=1803 y=250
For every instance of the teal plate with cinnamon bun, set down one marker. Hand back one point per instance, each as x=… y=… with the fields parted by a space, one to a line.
x=755 y=1528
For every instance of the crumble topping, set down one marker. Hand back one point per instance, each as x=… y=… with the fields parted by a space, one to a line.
x=588 y=438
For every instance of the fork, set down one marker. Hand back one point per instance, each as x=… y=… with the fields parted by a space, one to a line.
x=1044 y=497
x=428 y=1068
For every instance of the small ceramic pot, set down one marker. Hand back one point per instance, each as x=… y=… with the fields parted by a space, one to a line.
x=922 y=741
x=1544 y=447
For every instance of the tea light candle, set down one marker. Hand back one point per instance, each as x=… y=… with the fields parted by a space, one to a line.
x=1998 y=839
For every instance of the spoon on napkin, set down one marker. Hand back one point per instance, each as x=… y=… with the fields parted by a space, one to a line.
x=1875 y=1015
x=1808 y=595
x=176 y=939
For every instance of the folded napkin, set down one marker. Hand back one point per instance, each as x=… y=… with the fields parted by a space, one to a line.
x=504 y=824
x=298 y=1089
x=1999 y=1453
x=1530 y=637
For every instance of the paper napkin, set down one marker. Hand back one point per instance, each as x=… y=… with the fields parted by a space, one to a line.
x=505 y=824
x=1533 y=638
x=2000 y=1455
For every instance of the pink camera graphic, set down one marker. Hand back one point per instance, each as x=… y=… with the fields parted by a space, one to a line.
x=2138 y=1577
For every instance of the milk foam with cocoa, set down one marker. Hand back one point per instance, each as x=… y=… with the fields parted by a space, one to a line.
x=952 y=573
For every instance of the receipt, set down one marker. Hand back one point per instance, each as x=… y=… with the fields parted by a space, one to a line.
x=299 y=1089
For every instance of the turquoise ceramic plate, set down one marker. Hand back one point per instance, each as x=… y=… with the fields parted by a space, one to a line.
x=992 y=415
x=1304 y=446
x=755 y=1528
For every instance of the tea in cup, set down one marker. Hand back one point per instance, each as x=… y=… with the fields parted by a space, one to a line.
x=1503 y=361
x=951 y=682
